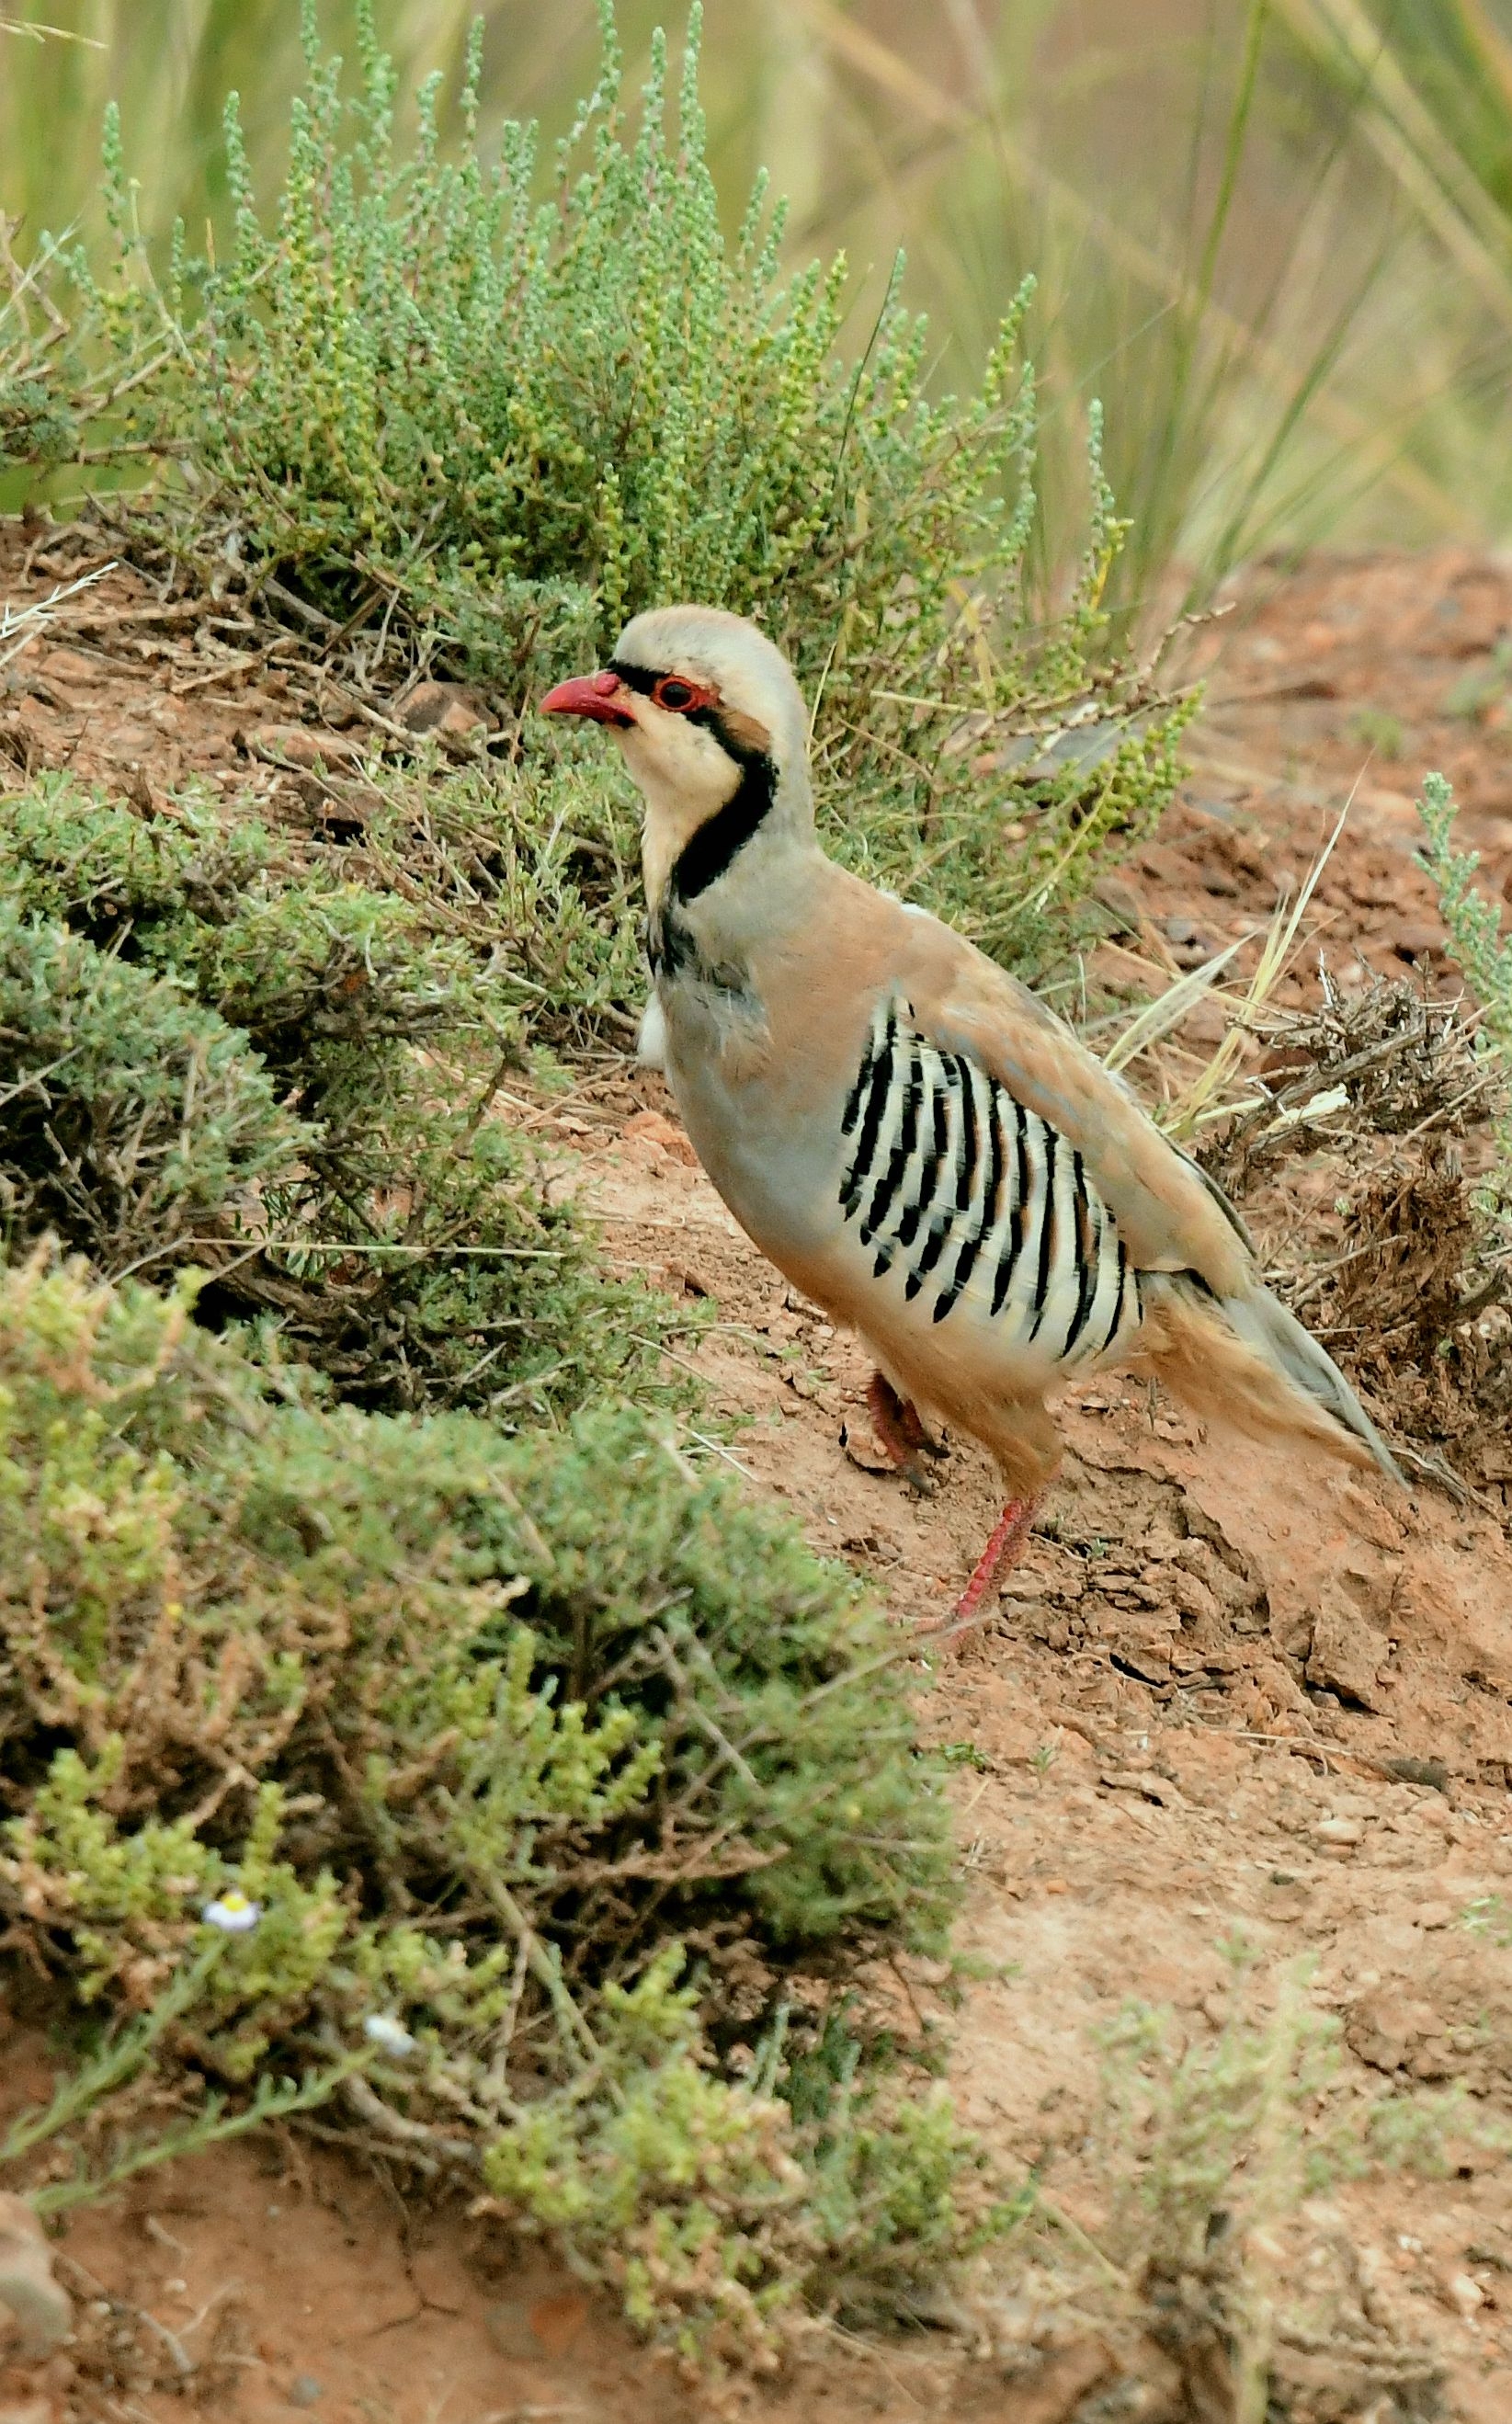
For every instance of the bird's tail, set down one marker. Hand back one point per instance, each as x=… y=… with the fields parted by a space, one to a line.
x=1245 y=1360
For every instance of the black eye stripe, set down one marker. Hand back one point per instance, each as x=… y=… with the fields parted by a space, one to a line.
x=711 y=719
x=647 y=681
x=635 y=677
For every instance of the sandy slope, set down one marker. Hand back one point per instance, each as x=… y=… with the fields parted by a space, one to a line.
x=1225 y=1692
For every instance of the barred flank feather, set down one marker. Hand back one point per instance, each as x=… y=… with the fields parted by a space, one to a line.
x=952 y=1178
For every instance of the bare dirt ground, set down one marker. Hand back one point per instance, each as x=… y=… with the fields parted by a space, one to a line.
x=1227 y=1693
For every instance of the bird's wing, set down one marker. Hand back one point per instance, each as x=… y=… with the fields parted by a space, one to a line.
x=1170 y=1215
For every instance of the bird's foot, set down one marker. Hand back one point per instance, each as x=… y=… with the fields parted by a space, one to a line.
x=902 y=1433
x=1002 y=1553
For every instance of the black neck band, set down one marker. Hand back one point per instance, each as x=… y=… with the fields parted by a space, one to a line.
x=707 y=853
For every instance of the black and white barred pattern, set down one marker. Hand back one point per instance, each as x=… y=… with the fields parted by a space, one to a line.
x=953 y=1179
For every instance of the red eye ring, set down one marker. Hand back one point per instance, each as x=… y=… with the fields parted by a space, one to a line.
x=674 y=692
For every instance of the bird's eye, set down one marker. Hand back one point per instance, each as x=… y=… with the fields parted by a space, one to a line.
x=674 y=693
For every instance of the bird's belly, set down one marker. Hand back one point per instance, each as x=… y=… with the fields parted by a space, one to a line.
x=774 y=1172
x=958 y=1306
x=954 y=1337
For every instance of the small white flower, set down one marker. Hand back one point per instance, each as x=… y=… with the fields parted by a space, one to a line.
x=233 y=1913
x=382 y=2029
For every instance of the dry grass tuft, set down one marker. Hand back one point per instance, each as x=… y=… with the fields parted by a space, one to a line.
x=1376 y=1112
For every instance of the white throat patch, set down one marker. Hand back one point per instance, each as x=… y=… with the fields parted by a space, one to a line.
x=651 y=1043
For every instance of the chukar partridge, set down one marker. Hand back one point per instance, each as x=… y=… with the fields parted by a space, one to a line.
x=914 y=1140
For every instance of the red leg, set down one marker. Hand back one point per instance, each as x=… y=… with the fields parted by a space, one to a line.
x=899 y=1430
x=913 y=1427
x=1002 y=1553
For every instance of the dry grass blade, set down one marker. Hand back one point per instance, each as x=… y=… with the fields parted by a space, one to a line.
x=1409 y=142
x=48 y=33
x=21 y=625
x=1201 y=1099
x=1168 y=1010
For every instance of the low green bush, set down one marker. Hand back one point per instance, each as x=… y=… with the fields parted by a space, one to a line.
x=273 y=1065
x=1483 y=952
x=457 y=410
x=135 y=1118
x=290 y=951
x=563 y=1766
x=113 y=875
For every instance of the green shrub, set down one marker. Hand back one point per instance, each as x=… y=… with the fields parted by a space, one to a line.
x=552 y=1757
x=113 y=875
x=1482 y=950
x=278 y=1069
x=47 y=393
x=288 y=950
x=470 y=420
x=135 y=1121
x=586 y=402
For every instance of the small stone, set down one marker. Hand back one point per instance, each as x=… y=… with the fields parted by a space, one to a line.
x=863 y=1447
x=1393 y=2031
x=1431 y=1772
x=299 y=745
x=1347 y=1655
x=127 y=744
x=1436 y=1914
x=557 y=2321
x=528 y=2329
x=1464 y=2295
x=657 y=1129
x=1122 y=902
x=447 y=708
x=508 y=2327
x=688 y=1277
x=1416 y=943
x=304 y=2391
x=68 y=665
x=40 y=2307
x=1343 y=1832
x=1145 y=1784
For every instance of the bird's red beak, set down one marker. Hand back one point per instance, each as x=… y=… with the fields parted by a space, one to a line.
x=599 y=696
